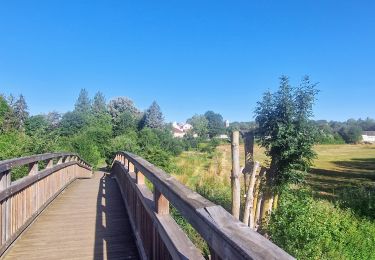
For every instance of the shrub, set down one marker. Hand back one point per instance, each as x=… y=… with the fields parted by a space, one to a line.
x=314 y=229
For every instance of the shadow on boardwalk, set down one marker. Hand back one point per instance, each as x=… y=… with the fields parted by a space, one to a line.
x=114 y=237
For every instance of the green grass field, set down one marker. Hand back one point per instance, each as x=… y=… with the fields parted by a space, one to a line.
x=335 y=167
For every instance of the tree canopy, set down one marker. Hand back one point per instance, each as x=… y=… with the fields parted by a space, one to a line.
x=286 y=132
x=215 y=123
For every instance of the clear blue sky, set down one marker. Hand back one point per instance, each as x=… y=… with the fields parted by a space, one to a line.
x=190 y=56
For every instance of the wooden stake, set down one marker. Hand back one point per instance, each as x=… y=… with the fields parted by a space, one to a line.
x=235 y=181
x=249 y=208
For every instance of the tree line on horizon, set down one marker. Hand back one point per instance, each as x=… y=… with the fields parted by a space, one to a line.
x=96 y=129
x=328 y=132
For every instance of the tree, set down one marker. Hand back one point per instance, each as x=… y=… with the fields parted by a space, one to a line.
x=20 y=112
x=99 y=104
x=83 y=103
x=36 y=124
x=123 y=123
x=200 y=125
x=120 y=105
x=5 y=110
x=215 y=123
x=72 y=122
x=53 y=119
x=153 y=117
x=351 y=134
x=286 y=133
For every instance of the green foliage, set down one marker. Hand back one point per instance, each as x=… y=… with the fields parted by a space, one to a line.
x=83 y=103
x=86 y=148
x=124 y=123
x=99 y=105
x=286 y=132
x=313 y=229
x=153 y=117
x=351 y=134
x=215 y=123
x=200 y=125
x=359 y=199
x=120 y=105
x=5 y=115
x=36 y=124
x=20 y=112
x=72 y=122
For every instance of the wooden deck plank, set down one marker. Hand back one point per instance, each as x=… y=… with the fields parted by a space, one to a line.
x=87 y=221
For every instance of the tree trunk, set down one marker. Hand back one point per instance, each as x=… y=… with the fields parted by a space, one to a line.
x=235 y=181
x=257 y=194
x=248 y=138
x=258 y=211
x=249 y=208
x=275 y=201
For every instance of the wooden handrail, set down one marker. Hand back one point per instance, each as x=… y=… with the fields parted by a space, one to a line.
x=227 y=237
x=23 y=200
x=9 y=164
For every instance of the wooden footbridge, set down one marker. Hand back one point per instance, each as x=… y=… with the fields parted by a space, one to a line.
x=62 y=210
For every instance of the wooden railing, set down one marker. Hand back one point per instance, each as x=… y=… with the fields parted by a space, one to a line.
x=159 y=237
x=23 y=200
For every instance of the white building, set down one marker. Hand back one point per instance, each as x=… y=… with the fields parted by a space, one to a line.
x=180 y=129
x=227 y=123
x=368 y=136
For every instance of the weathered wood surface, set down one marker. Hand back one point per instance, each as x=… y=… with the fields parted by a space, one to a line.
x=227 y=237
x=8 y=164
x=235 y=175
x=158 y=235
x=87 y=221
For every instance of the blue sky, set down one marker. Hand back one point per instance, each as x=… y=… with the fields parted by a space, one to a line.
x=189 y=56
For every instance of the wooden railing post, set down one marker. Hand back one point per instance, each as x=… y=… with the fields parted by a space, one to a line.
x=5 y=180
x=60 y=160
x=161 y=203
x=130 y=167
x=33 y=168
x=140 y=178
x=126 y=162
x=49 y=164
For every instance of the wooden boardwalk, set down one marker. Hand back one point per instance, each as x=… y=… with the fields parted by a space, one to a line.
x=87 y=221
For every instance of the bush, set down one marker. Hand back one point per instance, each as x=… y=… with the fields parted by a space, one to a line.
x=314 y=229
x=360 y=199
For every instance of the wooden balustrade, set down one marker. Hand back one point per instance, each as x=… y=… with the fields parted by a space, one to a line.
x=157 y=234
x=23 y=200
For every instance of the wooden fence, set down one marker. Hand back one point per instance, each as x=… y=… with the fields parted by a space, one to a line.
x=23 y=200
x=159 y=237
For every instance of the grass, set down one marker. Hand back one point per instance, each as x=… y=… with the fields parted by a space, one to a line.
x=342 y=166
x=327 y=231
x=336 y=166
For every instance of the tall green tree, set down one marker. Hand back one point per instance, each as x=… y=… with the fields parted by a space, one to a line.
x=215 y=123
x=4 y=112
x=200 y=125
x=83 y=103
x=20 y=111
x=99 y=104
x=120 y=105
x=286 y=132
x=351 y=134
x=153 y=117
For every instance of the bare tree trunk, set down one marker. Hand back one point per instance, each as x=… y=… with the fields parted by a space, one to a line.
x=266 y=207
x=235 y=181
x=248 y=138
x=275 y=201
x=258 y=211
x=249 y=208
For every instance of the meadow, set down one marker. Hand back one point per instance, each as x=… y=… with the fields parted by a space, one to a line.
x=331 y=217
x=336 y=166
